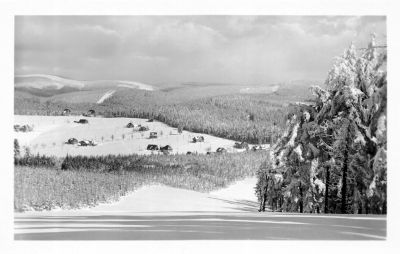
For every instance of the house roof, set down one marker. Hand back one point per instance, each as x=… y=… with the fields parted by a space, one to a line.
x=149 y=147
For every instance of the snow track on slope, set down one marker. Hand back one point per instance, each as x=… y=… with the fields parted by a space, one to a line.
x=106 y=96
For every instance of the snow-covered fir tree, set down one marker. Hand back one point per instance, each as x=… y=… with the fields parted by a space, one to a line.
x=332 y=155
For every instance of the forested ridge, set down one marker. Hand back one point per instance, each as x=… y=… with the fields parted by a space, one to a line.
x=331 y=157
x=254 y=118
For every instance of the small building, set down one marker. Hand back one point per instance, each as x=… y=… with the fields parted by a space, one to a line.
x=87 y=143
x=259 y=147
x=91 y=112
x=242 y=145
x=131 y=125
x=166 y=148
x=66 y=112
x=72 y=141
x=82 y=121
x=152 y=147
x=84 y=143
x=198 y=139
x=153 y=135
x=221 y=150
x=143 y=128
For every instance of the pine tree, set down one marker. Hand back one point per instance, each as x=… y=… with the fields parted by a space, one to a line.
x=340 y=140
x=16 y=148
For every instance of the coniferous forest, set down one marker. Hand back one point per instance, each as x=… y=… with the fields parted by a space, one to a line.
x=251 y=118
x=332 y=157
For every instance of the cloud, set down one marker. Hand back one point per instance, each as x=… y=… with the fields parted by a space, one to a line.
x=231 y=49
x=182 y=39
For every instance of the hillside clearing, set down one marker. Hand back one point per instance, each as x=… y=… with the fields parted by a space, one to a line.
x=51 y=133
x=106 y=96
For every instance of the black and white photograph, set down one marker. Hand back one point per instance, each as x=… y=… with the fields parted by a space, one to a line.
x=200 y=127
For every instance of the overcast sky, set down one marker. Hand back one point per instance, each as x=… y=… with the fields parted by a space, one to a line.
x=227 y=49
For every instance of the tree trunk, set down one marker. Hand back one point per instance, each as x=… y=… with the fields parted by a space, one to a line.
x=384 y=207
x=345 y=168
x=344 y=183
x=263 y=200
x=326 y=190
x=273 y=204
x=301 y=199
x=264 y=196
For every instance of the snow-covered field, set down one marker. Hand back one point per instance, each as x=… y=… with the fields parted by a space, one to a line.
x=51 y=133
x=164 y=213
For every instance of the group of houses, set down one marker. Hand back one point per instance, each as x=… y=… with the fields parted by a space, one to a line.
x=137 y=127
x=90 y=113
x=220 y=150
x=245 y=145
x=23 y=128
x=153 y=135
x=198 y=139
x=168 y=149
x=164 y=149
x=74 y=141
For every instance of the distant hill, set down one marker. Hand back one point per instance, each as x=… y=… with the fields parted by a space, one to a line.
x=297 y=90
x=288 y=91
x=49 y=85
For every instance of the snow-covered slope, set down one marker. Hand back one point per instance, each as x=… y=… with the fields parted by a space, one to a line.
x=41 y=81
x=49 y=85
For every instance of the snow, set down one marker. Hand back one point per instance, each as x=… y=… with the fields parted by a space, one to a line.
x=135 y=85
x=57 y=80
x=381 y=128
x=294 y=135
x=106 y=96
x=320 y=184
x=165 y=213
x=260 y=90
x=58 y=129
x=298 y=151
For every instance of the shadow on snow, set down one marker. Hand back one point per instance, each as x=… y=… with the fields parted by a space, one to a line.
x=215 y=226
